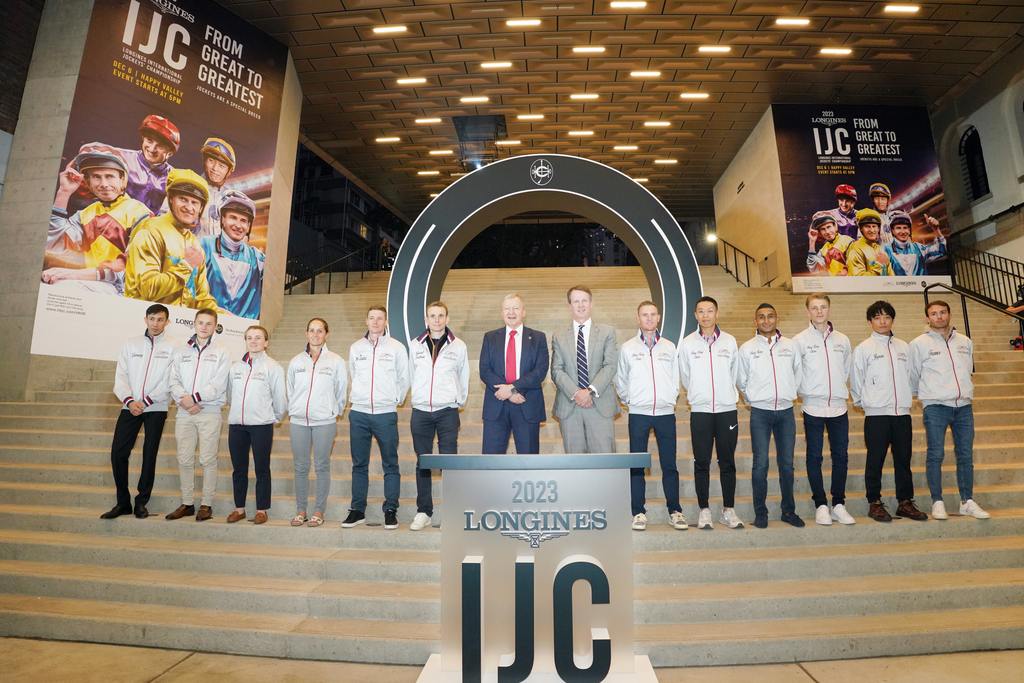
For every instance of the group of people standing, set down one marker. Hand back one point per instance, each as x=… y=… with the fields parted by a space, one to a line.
x=592 y=375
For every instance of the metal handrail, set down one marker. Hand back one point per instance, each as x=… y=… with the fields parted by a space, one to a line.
x=994 y=217
x=329 y=269
x=964 y=295
x=735 y=272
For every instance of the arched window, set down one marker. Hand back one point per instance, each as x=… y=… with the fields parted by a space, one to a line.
x=972 y=165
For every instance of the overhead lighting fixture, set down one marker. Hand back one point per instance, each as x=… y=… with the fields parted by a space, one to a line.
x=475 y=99
x=792 y=21
x=714 y=49
x=580 y=133
x=657 y=124
x=432 y=119
x=433 y=194
x=496 y=65
x=645 y=74
x=418 y=80
x=711 y=238
x=514 y=23
x=902 y=9
x=628 y=4
x=379 y=30
x=666 y=162
x=505 y=143
x=441 y=152
x=428 y=173
x=388 y=139
x=694 y=95
x=583 y=96
x=588 y=49
x=640 y=180
x=530 y=117
x=838 y=51
x=625 y=148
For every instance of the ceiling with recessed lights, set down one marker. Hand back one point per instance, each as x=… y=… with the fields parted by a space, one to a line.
x=663 y=90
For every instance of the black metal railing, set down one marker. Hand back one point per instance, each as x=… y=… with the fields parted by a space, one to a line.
x=995 y=278
x=732 y=258
x=307 y=269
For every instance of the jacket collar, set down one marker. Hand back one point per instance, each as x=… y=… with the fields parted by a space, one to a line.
x=828 y=324
x=425 y=335
x=322 y=350
x=193 y=341
x=774 y=340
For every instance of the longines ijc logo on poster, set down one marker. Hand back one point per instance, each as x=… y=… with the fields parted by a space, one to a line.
x=541 y=172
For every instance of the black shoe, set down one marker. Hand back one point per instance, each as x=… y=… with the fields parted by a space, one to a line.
x=761 y=521
x=116 y=511
x=355 y=518
x=792 y=519
x=390 y=519
x=141 y=512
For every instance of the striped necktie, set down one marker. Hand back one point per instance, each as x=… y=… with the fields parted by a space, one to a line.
x=583 y=379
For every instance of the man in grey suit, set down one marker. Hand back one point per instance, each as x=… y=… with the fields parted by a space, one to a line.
x=583 y=362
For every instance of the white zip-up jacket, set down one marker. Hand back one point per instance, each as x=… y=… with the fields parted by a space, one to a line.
x=880 y=376
x=380 y=374
x=143 y=371
x=202 y=373
x=708 y=371
x=940 y=369
x=769 y=371
x=441 y=382
x=316 y=390
x=825 y=361
x=647 y=379
x=256 y=391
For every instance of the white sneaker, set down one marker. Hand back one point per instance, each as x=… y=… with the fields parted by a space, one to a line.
x=729 y=518
x=420 y=521
x=704 y=519
x=822 y=517
x=973 y=509
x=939 y=510
x=841 y=515
x=678 y=521
x=640 y=522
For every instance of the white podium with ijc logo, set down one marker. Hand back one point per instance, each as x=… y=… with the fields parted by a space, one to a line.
x=536 y=569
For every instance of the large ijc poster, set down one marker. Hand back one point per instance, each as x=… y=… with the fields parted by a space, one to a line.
x=864 y=204
x=164 y=189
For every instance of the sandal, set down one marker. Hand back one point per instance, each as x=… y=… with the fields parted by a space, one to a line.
x=315 y=520
x=299 y=519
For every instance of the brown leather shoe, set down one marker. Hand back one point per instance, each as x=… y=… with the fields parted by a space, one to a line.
x=260 y=518
x=909 y=510
x=205 y=513
x=877 y=512
x=235 y=516
x=181 y=511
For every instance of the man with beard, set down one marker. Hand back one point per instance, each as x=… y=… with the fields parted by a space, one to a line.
x=234 y=268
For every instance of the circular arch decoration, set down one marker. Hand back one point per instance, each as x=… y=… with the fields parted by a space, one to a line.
x=543 y=182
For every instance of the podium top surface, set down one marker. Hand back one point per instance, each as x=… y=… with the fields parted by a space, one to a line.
x=589 y=461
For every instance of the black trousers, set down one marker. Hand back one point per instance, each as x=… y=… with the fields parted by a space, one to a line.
x=720 y=430
x=880 y=433
x=126 y=432
x=261 y=439
x=425 y=425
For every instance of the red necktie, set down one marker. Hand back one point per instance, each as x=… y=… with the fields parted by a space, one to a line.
x=510 y=358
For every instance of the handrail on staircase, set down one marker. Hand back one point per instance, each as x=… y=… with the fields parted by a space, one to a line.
x=726 y=249
x=329 y=268
x=964 y=296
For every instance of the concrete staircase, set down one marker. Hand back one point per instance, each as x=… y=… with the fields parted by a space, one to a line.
x=367 y=595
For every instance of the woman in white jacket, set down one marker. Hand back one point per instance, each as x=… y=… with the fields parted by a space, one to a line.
x=256 y=391
x=317 y=381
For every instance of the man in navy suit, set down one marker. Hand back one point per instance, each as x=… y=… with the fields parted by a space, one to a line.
x=513 y=364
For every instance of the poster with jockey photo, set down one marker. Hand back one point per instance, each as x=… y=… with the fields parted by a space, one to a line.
x=864 y=204
x=164 y=188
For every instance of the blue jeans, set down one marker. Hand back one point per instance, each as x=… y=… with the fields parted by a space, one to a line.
x=362 y=427
x=664 y=427
x=763 y=424
x=838 y=445
x=961 y=422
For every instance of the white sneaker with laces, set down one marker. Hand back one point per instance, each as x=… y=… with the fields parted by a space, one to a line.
x=841 y=515
x=640 y=522
x=420 y=521
x=971 y=508
x=704 y=519
x=939 y=510
x=822 y=516
x=678 y=521
x=729 y=518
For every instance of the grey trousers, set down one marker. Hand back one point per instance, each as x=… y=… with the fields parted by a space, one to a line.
x=321 y=441
x=588 y=431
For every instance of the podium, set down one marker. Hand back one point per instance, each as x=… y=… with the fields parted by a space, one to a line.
x=536 y=569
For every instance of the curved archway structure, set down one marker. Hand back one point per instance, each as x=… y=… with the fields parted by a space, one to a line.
x=543 y=182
